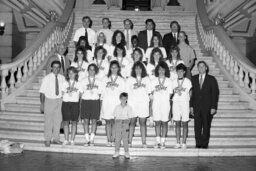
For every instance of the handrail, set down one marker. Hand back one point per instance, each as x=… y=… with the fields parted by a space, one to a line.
x=31 y=58
x=216 y=40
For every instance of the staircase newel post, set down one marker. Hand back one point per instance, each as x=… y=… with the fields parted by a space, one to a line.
x=4 y=87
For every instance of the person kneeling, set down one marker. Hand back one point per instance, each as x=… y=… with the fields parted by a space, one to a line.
x=122 y=115
x=181 y=105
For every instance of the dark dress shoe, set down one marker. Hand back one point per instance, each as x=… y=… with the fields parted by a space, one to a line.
x=56 y=142
x=198 y=146
x=204 y=147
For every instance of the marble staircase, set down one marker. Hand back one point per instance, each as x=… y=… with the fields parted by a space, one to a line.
x=233 y=130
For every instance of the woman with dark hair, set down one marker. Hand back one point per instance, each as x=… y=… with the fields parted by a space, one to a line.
x=173 y=60
x=117 y=38
x=80 y=63
x=71 y=90
x=90 y=103
x=113 y=86
x=100 y=54
x=155 y=57
x=160 y=104
x=82 y=42
x=134 y=44
x=187 y=54
x=120 y=56
x=156 y=41
x=138 y=87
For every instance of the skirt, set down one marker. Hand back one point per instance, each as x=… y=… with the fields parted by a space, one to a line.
x=70 y=111
x=90 y=109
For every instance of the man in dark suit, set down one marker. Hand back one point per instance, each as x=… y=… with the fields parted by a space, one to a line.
x=146 y=35
x=60 y=55
x=203 y=103
x=171 y=39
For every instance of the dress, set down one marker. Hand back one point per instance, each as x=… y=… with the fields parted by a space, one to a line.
x=161 y=98
x=138 y=91
x=112 y=88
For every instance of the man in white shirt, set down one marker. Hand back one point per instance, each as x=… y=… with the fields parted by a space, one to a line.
x=128 y=33
x=50 y=98
x=85 y=31
x=106 y=23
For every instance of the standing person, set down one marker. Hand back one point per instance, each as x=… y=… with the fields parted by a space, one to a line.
x=85 y=31
x=60 y=55
x=160 y=104
x=187 y=54
x=155 y=57
x=106 y=24
x=203 y=103
x=50 y=98
x=80 y=63
x=174 y=60
x=180 y=107
x=145 y=36
x=90 y=105
x=101 y=62
x=118 y=38
x=82 y=42
x=171 y=39
x=120 y=56
x=156 y=42
x=71 y=91
x=135 y=45
x=122 y=114
x=113 y=86
x=101 y=41
x=139 y=90
x=128 y=32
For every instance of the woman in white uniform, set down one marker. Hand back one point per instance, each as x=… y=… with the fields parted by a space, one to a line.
x=101 y=62
x=155 y=57
x=160 y=105
x=113 y=86
x=139 y=89
x=80 y=63
x=173 y=60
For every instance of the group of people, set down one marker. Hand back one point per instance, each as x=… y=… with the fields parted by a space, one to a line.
x=121 y=77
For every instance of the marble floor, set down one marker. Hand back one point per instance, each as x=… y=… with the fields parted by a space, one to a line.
x=42 y=161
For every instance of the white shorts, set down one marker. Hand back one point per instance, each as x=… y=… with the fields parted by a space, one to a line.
x=180 y=111
x=161 y=110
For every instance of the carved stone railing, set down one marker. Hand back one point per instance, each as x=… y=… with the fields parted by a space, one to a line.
x=214 y=38
x=14 y=75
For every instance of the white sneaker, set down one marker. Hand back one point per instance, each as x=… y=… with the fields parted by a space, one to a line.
x=113 y=144
x=176 y=146
x=184 y=146
x=72 y=142
x=162 y=145
x=92 y=143
x=109 y=144
x=127 y=155
x=115 y=155
x=65 y=142
x=157 y=145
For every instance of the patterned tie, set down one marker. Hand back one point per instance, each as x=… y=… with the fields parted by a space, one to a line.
x=127 y=39
x=56 y=85
x=62 y=64
x=201 y=81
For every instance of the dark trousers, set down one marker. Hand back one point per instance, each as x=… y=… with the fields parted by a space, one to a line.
x=202 y=128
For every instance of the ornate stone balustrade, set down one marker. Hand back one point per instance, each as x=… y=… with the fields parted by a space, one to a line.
x=17 y=73
x=241 y=70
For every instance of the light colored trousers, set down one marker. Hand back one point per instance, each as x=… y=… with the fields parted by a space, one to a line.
x=52 y=119
x=121 y=133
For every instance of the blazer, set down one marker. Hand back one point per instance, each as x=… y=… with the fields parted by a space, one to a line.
x=143 y=38
x=169 y=41
x=56 y=58
x=206 y=98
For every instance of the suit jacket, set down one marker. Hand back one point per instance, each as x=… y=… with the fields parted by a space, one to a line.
x=169 y=41
x=56 y=58
x=143 y=39
x=206 y=98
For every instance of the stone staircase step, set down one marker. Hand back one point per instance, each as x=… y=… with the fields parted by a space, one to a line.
x=101 y=140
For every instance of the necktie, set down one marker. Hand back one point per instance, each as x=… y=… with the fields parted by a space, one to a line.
x=175 y=36
x=201 y=81
x=56 y=85
x=62 y=64
x=127 y=39
x=86 y=35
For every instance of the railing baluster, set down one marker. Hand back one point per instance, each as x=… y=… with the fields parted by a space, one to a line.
x=30 y=66
x=4 y=87
x=35 y=61
x=12 y=80
x=19 y=76
x=236 y=71
x=241 y=76
x=25 y=71
x=253 y=86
